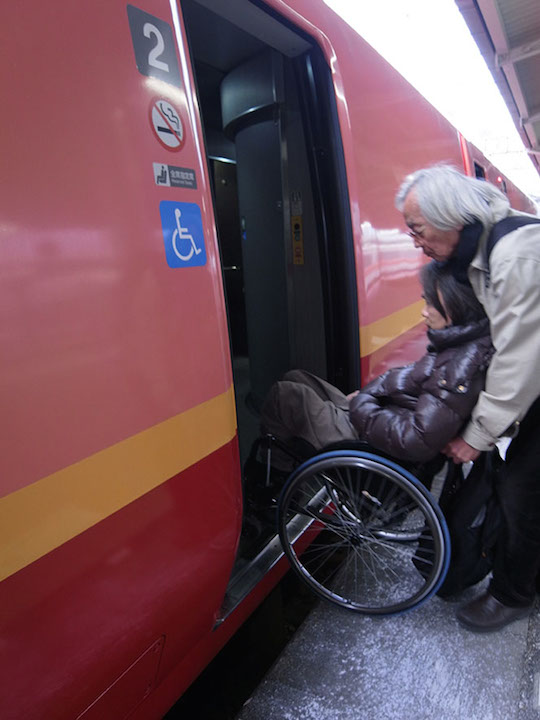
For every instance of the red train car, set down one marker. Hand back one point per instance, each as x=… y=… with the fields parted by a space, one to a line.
x=196 y=197
x=477 y=165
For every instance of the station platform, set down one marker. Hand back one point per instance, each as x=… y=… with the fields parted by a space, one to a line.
x=420 y=665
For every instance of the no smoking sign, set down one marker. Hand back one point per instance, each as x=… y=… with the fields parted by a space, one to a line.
x=167 y=124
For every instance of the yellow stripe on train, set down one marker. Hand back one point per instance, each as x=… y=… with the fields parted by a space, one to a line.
x=68 y=502
x=51 y=511
x=379 y=333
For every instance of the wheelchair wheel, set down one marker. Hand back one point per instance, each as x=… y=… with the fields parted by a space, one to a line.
x=363 y=533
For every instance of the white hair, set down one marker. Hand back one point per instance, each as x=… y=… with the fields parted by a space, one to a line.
x=448 y=199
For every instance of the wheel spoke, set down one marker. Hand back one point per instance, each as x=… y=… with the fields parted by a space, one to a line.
x=368 y=529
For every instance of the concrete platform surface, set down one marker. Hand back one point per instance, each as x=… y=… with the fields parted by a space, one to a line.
x=417 y=666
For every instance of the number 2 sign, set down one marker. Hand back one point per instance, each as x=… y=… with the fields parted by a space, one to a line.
x=154 y=46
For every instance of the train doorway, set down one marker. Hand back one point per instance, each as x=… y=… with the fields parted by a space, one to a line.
x=281 y=201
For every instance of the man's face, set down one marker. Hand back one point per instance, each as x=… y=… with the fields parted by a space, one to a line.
x=436 y=244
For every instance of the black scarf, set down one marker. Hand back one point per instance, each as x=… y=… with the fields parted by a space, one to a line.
x=466 y=249
x=455 y=335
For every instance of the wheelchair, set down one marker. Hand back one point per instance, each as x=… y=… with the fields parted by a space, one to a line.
x=361 y=530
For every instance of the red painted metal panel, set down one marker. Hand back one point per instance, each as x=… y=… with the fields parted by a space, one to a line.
x=518 y=199
x=410 y=345
x=130 y=689
x=104 y=338
x=75 y=620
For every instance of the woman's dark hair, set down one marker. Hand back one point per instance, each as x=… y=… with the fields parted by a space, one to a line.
x=461 y=304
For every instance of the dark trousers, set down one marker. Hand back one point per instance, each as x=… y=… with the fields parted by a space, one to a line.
x=304 y=406
x=517 y=557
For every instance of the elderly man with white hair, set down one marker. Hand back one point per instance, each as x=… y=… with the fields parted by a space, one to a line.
x=469 y=225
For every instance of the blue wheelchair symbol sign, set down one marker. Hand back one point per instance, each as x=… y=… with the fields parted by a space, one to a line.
x=182 y=234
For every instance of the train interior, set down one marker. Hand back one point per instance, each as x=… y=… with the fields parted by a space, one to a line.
x=276 y=165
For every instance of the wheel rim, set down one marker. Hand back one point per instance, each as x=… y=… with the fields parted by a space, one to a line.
x=373 y=540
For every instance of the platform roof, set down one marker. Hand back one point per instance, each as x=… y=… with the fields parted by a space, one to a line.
x=507 y=33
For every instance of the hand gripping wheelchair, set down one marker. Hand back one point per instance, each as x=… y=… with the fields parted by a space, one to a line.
x=361 y=530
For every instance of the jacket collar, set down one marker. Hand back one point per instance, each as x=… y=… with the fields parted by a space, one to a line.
x=454 y=335
x=465 y=251
x=470 y=250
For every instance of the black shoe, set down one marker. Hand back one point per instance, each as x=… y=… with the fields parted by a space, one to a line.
x=486 y=614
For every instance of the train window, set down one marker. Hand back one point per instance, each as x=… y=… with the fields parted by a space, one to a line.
x=501 y=182
x=479 y=171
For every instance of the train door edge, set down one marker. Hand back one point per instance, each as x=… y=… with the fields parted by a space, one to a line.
x=272 y=140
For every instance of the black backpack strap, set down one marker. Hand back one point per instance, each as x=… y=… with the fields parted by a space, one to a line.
x=502 y=228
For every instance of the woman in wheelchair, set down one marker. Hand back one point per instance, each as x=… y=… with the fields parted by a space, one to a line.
x=357 y=527
x=408 y=413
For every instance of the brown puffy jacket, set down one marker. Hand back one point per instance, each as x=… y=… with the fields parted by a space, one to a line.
x=412 y=412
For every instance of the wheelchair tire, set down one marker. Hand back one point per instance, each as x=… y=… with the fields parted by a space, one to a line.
x=363 y=532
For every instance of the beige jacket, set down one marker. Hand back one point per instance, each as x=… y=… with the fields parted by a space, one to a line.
x=512 y=304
